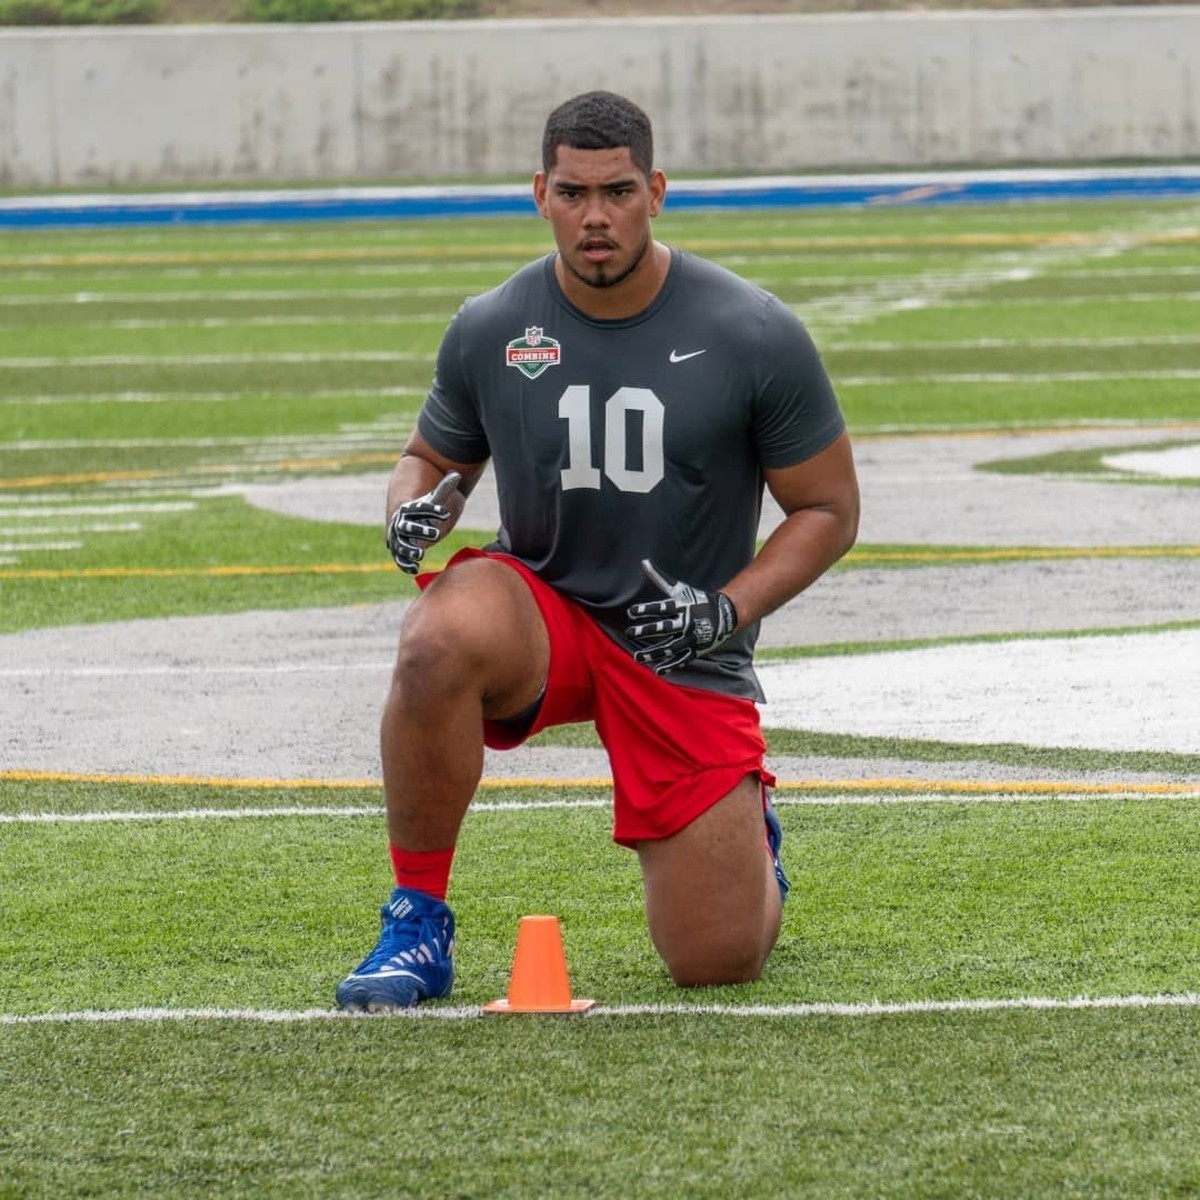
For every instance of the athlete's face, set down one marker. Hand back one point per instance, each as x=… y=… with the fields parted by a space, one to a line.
x=599 y=205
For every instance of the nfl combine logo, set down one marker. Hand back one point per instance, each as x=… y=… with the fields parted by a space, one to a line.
x=533 y=353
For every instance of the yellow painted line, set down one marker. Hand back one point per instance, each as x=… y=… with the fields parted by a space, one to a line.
x=968 y=787
x=287 y=466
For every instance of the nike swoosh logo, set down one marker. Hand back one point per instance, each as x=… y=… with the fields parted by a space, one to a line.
x=677 y=358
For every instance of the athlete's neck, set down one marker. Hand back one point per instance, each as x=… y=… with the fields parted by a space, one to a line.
x=632 y=295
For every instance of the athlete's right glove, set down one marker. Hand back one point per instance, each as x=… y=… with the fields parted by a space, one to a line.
x=688 y=624
x=416 y=524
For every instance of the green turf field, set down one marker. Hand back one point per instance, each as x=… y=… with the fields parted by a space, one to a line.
x=969 y=999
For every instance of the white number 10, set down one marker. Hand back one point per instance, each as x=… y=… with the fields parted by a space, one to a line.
x=574 y=407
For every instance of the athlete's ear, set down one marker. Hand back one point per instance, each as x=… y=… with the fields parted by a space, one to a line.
x=539 y=194
x=658 y=191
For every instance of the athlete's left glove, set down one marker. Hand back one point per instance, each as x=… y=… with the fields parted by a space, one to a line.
x=688 y=624
x=416 y=524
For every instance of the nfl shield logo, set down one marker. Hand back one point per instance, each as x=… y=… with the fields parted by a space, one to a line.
x=533 y=353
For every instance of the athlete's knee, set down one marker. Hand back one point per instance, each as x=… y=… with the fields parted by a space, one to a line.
x=435 y=648
x=709 y=964
x=473 y=626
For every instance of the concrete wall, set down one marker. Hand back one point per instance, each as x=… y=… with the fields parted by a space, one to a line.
x=405 y=102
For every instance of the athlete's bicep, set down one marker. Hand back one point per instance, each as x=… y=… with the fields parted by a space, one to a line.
x=418 y=447
x=827 y=481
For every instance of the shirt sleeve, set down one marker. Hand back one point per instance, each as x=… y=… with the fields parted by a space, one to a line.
x=796 y=410
x=449 y=419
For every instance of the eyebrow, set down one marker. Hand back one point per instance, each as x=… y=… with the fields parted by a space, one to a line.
x=569 y=185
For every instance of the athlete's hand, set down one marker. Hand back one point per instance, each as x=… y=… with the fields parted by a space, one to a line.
x=416 y=524
x=688 y=624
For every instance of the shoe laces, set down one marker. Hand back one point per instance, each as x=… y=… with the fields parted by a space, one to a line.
x=412 y=939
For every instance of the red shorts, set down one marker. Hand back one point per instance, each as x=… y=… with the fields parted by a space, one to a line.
x=674 y=751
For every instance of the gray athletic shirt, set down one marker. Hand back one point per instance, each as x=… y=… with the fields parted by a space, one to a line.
x=615 y=441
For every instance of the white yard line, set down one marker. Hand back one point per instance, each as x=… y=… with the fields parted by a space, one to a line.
x=27 y=531
x=30 y=270
x=1056 y=301
x=1038 y=377
x=96 y=510
x=281 y=321
x=239 y=296
x=26 y=547
x=42 y=398
x=211 y=360
x=267 y=445
x=987 y=343
x=940 y=792
x=176 y=670
x=459 y=1012
x=947 y=285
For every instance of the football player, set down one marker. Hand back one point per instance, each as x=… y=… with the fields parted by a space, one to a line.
x=633 y=400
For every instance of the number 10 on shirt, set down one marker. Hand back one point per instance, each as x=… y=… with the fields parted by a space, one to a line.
x=574 y=407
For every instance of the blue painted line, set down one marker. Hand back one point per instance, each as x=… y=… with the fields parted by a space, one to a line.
x=381 y=203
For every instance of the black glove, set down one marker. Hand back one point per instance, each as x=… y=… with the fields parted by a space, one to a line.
x=411 y=528
x=688 y=624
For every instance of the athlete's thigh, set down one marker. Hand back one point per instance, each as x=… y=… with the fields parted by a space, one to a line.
x=477 y=619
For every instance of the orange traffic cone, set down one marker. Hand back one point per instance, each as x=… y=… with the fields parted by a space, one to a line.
x=539 y=982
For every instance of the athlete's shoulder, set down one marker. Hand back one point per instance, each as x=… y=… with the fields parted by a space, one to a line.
x=719 y=289
x=695 y=270
x=736 y=303
x=519 y=290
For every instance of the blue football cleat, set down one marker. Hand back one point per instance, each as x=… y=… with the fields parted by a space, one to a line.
x=412 y=961
x=774 y=840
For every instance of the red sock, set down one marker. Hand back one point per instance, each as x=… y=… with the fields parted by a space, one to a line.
x=425 y=871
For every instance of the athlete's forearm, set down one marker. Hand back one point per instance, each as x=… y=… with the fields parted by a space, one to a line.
x=415 y=475
x=795 y=556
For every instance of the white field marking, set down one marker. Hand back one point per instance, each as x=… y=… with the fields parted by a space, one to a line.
x=212 y=360
x=44 y=498
x=1013 y=377
x=920 y=302
x=955 y=430
x=493 y=269
x=260 y=322
x=946 y=285
x=244 y=296
x=491 y=807
x=50 y=530
x=116 y=816
x=998 y=274
x=986 y=343
x=204 y=397
x=1176 y=462
x=188 y=814
x=97 y=510
x=67 y=672
x=266 y=295
x=983 y=343
x=347 y=437
x=461 y=1012
x=25 y=547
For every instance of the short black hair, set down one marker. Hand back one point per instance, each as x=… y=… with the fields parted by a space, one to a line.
x=599 y=121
